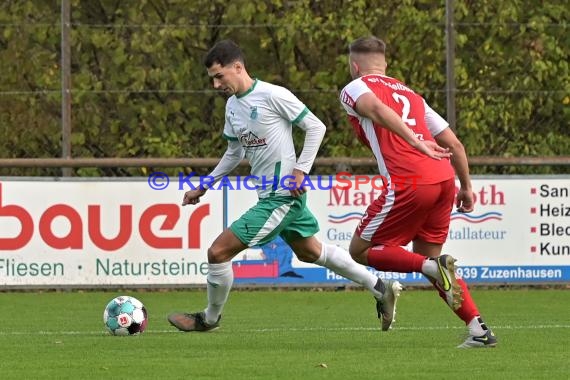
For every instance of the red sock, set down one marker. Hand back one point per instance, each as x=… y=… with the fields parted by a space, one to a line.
x=394 y=259
x=468 y=309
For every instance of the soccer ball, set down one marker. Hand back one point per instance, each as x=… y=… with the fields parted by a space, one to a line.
x=125 y=315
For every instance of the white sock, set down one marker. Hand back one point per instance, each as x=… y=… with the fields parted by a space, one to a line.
x=340 y=261
x=220 y=279
x=429 y=268
x=477 y=327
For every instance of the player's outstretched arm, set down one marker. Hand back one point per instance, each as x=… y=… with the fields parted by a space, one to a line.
x=231 y=158
x=314 y=132
x=368 y=105
x=449 y=140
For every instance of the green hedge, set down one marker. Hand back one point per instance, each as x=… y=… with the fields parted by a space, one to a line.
x=140 y=89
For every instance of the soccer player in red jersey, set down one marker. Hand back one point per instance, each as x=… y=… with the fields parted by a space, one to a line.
x=420 y=190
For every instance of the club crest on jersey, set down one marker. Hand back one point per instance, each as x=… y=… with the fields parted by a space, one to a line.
x=253 y=114
x=250 y=140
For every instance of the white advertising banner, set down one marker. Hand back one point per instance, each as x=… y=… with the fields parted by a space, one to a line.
x=519 y=231
x=103 y=233
x=120 y=233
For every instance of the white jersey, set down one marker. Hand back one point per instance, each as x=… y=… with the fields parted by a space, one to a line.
x=261 y=120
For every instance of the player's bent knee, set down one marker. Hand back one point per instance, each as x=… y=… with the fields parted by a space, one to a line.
x=217 y=254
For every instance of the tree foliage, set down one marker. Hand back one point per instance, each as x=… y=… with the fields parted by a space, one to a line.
x=139 y=88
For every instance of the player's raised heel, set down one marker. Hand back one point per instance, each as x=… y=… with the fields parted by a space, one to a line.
x=192 y=322
x=386 y=306
x=448 y=282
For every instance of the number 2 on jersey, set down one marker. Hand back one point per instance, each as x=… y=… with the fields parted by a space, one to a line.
x=405 y=109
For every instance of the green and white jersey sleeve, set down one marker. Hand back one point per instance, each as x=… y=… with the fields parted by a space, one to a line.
x=228 y=131
x=288 y=105
x=261 y=119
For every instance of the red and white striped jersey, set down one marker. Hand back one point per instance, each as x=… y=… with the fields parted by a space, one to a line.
x=396 y=158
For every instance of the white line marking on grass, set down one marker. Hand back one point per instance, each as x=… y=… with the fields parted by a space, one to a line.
x=303 y=329
x=403 y=328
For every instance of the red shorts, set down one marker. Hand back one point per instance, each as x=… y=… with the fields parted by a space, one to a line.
x=400 y=216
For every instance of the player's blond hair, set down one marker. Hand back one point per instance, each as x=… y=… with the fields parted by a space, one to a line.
x=366 y=45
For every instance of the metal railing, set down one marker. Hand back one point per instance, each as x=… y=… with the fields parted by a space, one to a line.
x=209 y=162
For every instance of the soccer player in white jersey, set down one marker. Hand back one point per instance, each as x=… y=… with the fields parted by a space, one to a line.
x=381 y=109
x=258 y=126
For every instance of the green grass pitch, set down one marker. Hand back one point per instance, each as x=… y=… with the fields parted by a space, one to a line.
x=285 y=335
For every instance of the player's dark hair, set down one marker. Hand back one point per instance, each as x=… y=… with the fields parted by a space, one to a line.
x=224 y=52
x=369 y=44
